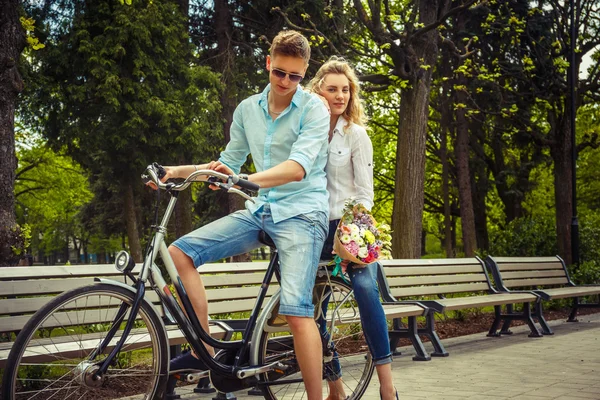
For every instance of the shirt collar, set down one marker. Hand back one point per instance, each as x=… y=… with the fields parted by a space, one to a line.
x=339 y=126
x=296 y=98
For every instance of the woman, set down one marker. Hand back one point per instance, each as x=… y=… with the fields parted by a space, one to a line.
x=350 y=174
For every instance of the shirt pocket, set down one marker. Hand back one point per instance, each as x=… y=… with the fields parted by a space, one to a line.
x=339 y=157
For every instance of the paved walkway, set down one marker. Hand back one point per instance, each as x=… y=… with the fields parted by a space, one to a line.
x=565 y=366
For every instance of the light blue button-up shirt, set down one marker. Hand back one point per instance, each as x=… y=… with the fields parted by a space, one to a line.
x=299 y=134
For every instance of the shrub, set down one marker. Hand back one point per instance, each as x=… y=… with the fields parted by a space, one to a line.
x=525 y=237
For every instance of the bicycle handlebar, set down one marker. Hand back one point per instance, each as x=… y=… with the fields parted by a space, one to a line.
x=226 y=182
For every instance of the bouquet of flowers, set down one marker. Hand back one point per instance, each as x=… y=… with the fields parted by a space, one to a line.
x=359 y=238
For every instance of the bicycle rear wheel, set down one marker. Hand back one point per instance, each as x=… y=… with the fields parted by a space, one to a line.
x=53 y=356
x=276 y=344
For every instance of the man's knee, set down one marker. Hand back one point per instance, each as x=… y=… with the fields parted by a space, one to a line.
x=182 y=261
x=300 y=323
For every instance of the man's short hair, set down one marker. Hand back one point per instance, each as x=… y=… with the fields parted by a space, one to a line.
x=290 y=43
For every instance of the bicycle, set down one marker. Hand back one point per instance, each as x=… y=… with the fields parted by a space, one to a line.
x=64 y=352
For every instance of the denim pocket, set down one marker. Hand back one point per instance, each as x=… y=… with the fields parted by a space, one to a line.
x=316 y=218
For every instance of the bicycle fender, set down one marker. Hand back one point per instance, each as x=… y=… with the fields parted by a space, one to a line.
x=262 y=320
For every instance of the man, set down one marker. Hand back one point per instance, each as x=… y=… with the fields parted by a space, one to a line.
x=285 y=129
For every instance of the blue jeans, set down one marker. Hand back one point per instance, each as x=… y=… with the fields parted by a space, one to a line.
x=299 y=241
x=372 y=316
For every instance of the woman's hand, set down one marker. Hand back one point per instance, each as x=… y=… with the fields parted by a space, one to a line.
x=324 y=100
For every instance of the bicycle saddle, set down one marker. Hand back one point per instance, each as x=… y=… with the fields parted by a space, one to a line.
x=265 y=239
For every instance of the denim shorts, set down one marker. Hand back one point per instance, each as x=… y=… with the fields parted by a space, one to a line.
x=299 y=241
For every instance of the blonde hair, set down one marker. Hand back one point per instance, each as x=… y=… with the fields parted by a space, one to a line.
x=354 y=112
x=290 y=43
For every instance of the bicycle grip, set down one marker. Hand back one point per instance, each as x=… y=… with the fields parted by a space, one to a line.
x=247 y=184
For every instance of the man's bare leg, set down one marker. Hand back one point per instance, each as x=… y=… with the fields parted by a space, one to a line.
x=308 y=348
x=193 y=287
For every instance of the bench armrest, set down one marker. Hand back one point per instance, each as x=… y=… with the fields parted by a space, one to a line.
x=427 y=304
x=539 y=293
x=408 y=303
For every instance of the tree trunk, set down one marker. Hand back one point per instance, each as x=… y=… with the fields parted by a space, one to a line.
x=446 y=193
x=479 y=184
x=133 y=236
x=407 y=218
x=12 y=42
x=461 y=148
x=463 y=174
x=226 y=65
x=561 y=152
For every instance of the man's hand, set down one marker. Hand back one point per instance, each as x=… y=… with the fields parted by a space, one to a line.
x=170 y=173
x=219 y=167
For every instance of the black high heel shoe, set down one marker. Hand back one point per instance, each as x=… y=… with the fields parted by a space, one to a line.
x=381 y=397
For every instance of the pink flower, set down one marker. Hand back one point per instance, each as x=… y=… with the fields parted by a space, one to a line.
x=352 y=248
x=346 y=229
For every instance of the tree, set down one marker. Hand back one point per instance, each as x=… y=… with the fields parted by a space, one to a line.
x=12 y=43
x=120 y=92
x=50 y=191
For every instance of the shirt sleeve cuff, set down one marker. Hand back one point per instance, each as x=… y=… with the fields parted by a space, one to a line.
x=303 y=161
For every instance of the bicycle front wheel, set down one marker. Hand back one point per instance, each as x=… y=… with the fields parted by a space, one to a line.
x=350 y=363
x=57 y=354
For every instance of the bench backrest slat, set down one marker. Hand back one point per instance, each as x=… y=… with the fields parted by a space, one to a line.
x=515 y=283
x=528 y=272
x=432 y=280
x=437 y=290
x=230 y=287
x=37 y=287
x=511 y=266
x=431 y=277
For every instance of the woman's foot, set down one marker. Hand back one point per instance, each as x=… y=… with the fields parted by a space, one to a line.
x=336 y=390
x=390 y=394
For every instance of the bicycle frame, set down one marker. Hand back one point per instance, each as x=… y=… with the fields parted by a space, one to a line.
x=188 y=321
x=189 y=324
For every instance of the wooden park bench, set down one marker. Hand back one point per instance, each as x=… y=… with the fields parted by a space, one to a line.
x=452 y=284
x=231 y=288
x=24 y=290
x=545 y=276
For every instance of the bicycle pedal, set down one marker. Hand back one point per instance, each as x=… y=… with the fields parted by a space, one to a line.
x=190 y=377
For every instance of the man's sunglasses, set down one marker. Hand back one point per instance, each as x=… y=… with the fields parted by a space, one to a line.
x=295 y=78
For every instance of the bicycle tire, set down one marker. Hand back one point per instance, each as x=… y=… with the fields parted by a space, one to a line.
x=49 y=357
x=353 y=354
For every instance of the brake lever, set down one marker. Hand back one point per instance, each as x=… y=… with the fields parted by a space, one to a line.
x=241 y=193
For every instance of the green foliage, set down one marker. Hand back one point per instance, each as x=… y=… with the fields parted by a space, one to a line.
x=50 y=190
x=587 y=273
x=116 y=88
x=526 y=237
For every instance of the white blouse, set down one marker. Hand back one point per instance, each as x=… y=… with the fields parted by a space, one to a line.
x=349 y=167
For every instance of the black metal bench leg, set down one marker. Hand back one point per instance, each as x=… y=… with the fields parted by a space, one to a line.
x=224 y=396
x=573 y=314
x=439 y=349
x=540 y=317
x=505 y=330
x=204 y=386
x=394 y=339
x=527 y=316
x=493 y=332
x=413 y=335
x=170 y=394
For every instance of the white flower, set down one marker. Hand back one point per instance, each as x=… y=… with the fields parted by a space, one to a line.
x=363 y=252
x=360 y=242
x=345 y=239
x=354 y=229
